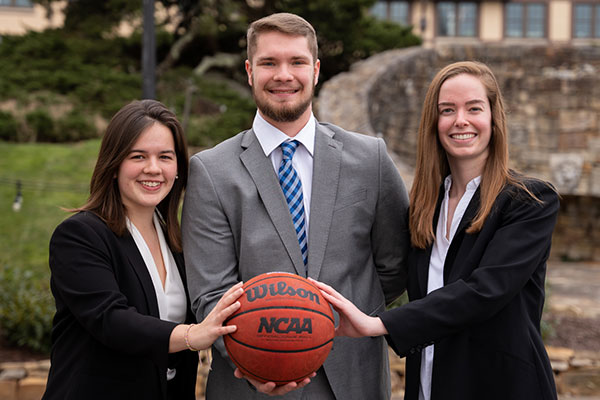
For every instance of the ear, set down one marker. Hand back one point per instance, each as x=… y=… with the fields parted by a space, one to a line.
x=317 y=69
x=249 y=71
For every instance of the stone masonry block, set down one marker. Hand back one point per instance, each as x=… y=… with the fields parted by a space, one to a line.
x=8 y=390
x=31 y=388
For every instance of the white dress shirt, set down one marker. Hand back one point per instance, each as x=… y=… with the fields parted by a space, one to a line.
x=270 y=138
x=171 y=299
x=436 y=266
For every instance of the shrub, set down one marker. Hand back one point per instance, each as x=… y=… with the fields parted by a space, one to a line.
x=226 y=111
x=99 y=74
x=41 y=125
x=207 y=131
x=75 y=126
x=8 y=126
x=26 y=309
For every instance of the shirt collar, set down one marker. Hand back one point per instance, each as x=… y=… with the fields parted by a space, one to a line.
x=471 y=186
x=270 y=137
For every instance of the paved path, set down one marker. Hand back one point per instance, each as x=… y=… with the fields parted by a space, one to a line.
x=574 y=289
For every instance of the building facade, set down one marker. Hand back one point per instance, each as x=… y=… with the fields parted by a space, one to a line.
x=19 y=16
x=573 y=21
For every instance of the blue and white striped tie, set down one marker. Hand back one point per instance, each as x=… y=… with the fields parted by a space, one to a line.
x=292 y=190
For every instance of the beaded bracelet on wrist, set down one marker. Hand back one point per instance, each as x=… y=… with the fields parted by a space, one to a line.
x=187 y=340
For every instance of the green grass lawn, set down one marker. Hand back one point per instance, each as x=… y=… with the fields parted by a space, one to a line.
x=53 y=176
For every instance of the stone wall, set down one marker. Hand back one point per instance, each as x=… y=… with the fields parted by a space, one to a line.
x=552 y=94
x=576 y=373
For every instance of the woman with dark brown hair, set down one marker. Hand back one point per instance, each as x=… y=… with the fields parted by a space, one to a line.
x=123 y=327
x=480 y=236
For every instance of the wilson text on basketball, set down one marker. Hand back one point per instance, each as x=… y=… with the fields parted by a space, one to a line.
x=280 y=289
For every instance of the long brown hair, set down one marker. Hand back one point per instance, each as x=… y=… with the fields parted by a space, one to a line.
x=122 y=132
x=432 y=164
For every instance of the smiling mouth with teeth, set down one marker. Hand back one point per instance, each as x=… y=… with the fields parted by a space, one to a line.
x=151 y=184
x=463 y=136
x=284 y=91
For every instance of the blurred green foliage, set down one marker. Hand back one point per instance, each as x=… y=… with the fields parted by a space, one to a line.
x=8 y=126
x=52 y=176
x=26 y=308
x=74 y=126
x=217 y=111
x=94 y=74
x=41 y=124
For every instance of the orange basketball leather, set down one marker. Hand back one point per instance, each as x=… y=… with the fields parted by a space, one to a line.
x=285 y=329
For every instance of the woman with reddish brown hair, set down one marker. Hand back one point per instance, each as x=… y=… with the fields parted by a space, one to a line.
x=123 y=328
x=480 y=236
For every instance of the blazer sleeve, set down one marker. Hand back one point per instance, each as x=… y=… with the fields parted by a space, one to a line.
x=389 y=236
x=208 y=242
x=516 y=248
x=82 y=263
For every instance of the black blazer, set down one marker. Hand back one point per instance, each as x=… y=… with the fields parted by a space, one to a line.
x=107 y=339
x=485 y=320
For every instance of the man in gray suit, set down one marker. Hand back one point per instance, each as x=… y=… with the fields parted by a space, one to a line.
x=296 y=195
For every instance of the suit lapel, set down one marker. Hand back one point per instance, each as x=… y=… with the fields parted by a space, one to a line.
x=470 y=212
x=261 y=170
x=190 y=317
x=326 y=171
x=423 y=269
x=139 y=266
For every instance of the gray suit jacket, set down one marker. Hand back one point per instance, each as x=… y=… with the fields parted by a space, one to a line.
x=236 y=225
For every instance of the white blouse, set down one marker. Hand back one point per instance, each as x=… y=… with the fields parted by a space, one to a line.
x=436 y=265
x=171 y=299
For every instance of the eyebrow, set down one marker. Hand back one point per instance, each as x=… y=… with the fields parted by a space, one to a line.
x=145 y=152
x=449 y=103
x=294 y=58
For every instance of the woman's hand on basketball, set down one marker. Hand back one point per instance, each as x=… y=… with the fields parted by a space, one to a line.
x=205 y=333
x=353 y=322
x=271 y=388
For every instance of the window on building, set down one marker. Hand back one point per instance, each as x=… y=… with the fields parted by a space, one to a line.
x=16 y=3
x=525 y=20
x=586 y=20
x=391 y=10
x=456 y=19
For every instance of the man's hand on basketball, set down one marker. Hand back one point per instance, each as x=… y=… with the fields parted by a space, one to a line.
x=353 y=322
x=271 y=388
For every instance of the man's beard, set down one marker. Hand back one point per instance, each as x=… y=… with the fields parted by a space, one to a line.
x=282 y=113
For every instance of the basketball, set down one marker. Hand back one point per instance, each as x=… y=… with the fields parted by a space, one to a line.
x=285 y=329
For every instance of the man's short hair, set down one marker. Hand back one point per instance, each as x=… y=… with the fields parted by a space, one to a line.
x=286 y=23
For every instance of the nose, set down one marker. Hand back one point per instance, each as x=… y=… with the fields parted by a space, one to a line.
x=460 y=121
x=283 y=73
x=152 y=166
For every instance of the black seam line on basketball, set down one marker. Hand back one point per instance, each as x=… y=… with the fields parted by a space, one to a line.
x=287 y=275
x=280 y=351
x=279 y=308
x=247 y=372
